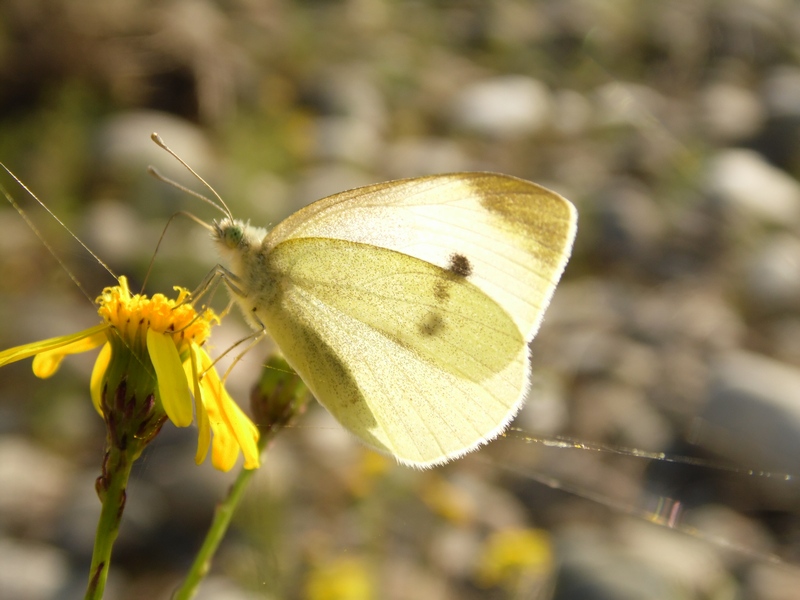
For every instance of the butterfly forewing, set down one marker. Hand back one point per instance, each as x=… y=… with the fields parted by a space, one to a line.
x=514 y=235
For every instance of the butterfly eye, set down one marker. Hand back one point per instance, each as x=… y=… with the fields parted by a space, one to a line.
x=233 y=236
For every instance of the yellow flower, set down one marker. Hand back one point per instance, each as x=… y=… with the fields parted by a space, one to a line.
x=512 y=557
x=341 y=579
x=150 y=365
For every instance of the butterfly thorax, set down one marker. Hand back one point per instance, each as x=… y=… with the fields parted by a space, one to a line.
x=241 y=247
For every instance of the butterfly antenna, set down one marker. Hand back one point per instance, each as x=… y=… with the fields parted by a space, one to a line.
x=222 y=207
x=42 y=239
x=161 y=239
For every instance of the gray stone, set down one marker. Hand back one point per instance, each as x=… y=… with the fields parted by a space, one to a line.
x=123 y=145
x=781 y=91
x=629 y=223
x=773 y=582
x=326 y=179
x=753 y=416
x=626 y=104
x=415 y=157
x=31 y=571
x=33 y=484
x=745 y=181
x=508 y=106
x=592 y=567
x=572 y=112
x=348 y=140
x=773 y=275
x=730 y=112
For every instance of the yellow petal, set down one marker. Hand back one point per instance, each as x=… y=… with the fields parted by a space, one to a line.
x=245 y=431
x=96 y=381
x=19 y=352
x=232 y=428
x=192 y=368
x=47 y=363
x=224 y=449
x=172 y=384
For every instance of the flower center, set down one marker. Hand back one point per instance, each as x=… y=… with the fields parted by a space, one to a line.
x=132 y=314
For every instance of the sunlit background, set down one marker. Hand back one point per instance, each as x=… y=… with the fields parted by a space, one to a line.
x=673 y=125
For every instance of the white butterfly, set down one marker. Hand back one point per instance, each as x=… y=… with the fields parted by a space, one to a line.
x=407 y=306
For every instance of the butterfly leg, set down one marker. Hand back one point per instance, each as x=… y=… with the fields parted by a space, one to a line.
x=212 y=280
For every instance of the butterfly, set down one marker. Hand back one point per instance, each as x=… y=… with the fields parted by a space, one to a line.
x=407 y=306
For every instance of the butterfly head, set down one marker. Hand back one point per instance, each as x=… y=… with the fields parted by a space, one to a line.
x=233 y=234
x=229 y=233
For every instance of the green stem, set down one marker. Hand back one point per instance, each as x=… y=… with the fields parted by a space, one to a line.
x=113 y=482
x=277 y=399
x=219 y=526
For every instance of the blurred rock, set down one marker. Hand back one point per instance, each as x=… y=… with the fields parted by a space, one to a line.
x=415 y=157
x=572 y=112
x=508 y=106
x=744 y=535
x=405 y=578
x=79 y=513
x=30 y=571
x=326 y=179
x=686 y=312
x=455 y=550
x=580 y=168
x=753 y=416
x=545 y=409
x=266 y=199
x=772 y=582
x=582 y=336
x=349 y=91
x=123 y=146
x=609 y=410
x=123 y=152
x=730 y=112
x=509 y=511
x=784 y=338
x=621 y=103
x=780 y=139
x=745 y=181
x=594 y=568
x=33 y=486
x=335 y=447
x=346 y=139
x=781 y=91
x=696 y=565
x=114 y=230
x=629 y=224
x=773 y=275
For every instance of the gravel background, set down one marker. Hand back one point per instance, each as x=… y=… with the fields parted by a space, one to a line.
x=674 y=126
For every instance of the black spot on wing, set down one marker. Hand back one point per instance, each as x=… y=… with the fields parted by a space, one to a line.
x=460 y=265
x=433 y=323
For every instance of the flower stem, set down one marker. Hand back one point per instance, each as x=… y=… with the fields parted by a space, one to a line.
x=111 y=486
x=219 y=526
x=278 y=398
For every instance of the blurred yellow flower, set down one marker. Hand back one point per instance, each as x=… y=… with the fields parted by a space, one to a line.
x=514 y=557
x=448 y=500
x=150 y=365
x=340 y=579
